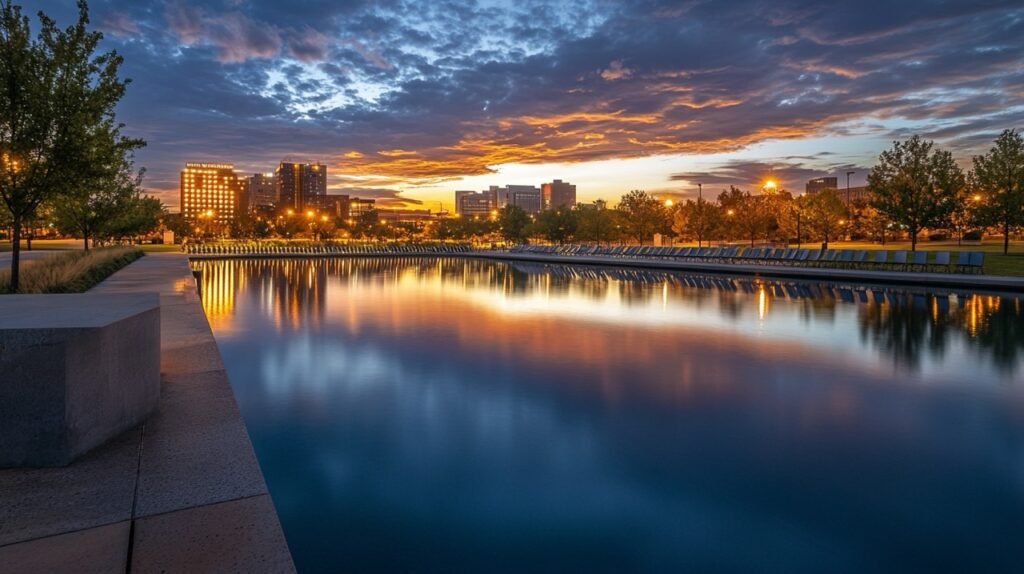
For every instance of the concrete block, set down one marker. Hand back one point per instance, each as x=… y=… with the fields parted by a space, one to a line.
x=75 y=371
x=99 y=550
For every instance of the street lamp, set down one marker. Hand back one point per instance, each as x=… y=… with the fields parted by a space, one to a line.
x=668 y=203
x=770 y=186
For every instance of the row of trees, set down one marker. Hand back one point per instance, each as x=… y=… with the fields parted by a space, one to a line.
x=63 y=157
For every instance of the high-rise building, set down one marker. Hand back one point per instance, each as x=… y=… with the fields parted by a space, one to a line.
x=821 y=183
x=475 y=204
x=262 y=190
x=558 y=193
x=300 y=185
x=210 y=190
x=526 y=197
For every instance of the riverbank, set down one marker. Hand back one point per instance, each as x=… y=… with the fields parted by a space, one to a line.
x=181 y=493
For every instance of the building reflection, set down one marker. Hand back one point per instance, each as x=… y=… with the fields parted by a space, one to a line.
x=908 y=327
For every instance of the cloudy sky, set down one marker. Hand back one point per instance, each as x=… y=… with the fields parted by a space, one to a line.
x=415 y=99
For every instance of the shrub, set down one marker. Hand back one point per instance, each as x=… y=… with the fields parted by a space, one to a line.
x=973 y=235
x=71 y=272
x=938 y=237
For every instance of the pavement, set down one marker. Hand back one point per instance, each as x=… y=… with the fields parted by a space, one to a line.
x=181 y=493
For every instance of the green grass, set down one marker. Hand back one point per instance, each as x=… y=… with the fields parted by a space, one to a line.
x=70 y=272
x=996 y=263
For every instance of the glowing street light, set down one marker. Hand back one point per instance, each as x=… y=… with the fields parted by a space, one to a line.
x=669 y=203
x=977 y=197
x=731 y=212
x=309 y=214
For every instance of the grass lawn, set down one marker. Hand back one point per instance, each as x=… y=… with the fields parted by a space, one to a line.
x=995 y=262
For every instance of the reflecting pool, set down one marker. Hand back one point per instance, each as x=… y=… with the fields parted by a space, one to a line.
x=456 y=415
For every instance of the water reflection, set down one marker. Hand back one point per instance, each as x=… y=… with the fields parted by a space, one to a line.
x=445 y=415
x=908 y=327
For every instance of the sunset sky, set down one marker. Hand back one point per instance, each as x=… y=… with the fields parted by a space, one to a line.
x=414 y=100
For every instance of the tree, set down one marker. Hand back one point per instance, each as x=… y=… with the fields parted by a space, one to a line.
x=642 y=215
x=595 y=223
x=512 y=220
x=697 y=219
x=138 y=216
x=106 y=187
x=823 y=213
x=55 y=91
x=745 y=215
x=557 y=225
x=998 y=177
x=915 y=185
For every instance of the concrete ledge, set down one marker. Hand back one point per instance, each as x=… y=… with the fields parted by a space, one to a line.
x=75 y=372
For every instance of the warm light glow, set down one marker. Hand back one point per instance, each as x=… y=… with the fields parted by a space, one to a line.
x=669 y=203
x=291 y=212
x=977 y=197
x=770 y=185
x=323 y=218
x=731 y=212
x=309 y=213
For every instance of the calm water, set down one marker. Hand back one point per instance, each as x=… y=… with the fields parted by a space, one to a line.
x=447 y=415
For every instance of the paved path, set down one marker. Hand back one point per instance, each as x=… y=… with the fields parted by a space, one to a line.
x=183 y=493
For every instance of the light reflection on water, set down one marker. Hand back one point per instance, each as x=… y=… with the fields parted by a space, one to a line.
x=462 y=415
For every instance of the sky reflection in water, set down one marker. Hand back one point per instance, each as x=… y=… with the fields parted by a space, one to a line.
x=446 y=415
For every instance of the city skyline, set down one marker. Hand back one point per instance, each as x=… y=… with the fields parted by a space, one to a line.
x=408 y=110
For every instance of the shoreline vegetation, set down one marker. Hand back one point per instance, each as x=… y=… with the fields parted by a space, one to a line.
x=69 y=272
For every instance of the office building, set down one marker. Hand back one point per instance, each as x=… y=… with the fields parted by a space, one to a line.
x=558 y=194
x=821 y=183
x=301 y=185
x=261 y=191
x=358 y=207
x=526 y=197
x=337 y=206
x=210 y=191
x=474 y=204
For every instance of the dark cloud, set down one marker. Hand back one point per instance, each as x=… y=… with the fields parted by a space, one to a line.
x=467 y=86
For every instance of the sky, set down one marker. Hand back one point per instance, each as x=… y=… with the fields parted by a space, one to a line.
x=407 y=101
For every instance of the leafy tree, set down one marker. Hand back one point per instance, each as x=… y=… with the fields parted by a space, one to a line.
x=138 y=216
x=595 y=223
x=55 y=93
x=175 y=222
x=512 y=220
x=642 y=215
x=743 y=214
x=105 y=188
x=963 y=216
x=999 y=177
x=557 y=225
x=288 y=226
x=697 y=219
x=915 y=185
x=824 y=213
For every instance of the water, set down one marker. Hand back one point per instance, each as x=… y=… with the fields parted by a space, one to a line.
x=450 y=415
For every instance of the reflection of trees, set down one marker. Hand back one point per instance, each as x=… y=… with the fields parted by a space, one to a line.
x=1000 y=330
x=898 y=329
x=905 y=325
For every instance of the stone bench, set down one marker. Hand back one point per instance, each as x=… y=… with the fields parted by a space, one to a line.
x=75 y=371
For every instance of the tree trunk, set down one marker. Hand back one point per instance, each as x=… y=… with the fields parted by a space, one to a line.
x=913 y=239
x=15 y=253
x=1006 y=235
x=85 y=239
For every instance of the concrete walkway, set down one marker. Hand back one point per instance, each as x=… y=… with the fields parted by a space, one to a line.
x=993 y=283
x=183 y=493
